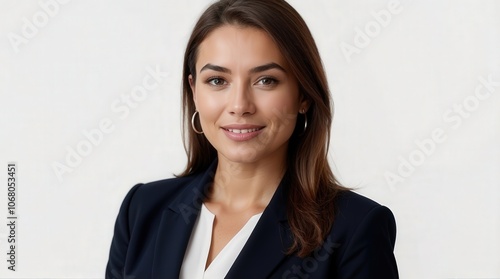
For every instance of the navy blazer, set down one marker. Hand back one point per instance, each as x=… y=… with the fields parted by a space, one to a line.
x=155 y=222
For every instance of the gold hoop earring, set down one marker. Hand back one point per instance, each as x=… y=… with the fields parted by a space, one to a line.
x=192 y=123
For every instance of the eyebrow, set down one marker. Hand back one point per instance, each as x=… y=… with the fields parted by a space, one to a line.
x=257 y=69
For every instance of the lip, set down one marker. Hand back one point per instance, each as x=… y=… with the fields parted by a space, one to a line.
x=242 y=132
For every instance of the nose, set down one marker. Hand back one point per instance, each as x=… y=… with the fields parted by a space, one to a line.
x=241 y=100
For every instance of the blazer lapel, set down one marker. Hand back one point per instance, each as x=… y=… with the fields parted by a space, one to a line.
x=176 y=225
x=267 y=245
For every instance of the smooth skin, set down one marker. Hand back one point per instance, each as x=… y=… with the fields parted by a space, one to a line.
x=243 y=82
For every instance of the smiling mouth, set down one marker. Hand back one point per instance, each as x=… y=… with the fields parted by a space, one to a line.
x=243 y=131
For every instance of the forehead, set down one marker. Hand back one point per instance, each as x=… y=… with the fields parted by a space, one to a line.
x=238 y=47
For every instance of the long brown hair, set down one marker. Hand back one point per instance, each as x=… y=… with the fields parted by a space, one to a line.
x=312 y=188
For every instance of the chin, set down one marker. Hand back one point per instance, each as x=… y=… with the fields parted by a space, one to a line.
x=242 y=157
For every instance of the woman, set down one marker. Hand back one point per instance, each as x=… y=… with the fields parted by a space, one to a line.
x=257 y=198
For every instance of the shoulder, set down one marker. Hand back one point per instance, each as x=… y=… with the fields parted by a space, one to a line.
x=351 y=206
x=161 y=189
x=365 y=233
x=147 y=198
x=353 y=211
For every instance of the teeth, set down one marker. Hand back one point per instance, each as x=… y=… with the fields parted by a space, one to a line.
x=242 y=131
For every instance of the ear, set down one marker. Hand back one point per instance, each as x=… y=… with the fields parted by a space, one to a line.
x=304 y=104
x=193 y=87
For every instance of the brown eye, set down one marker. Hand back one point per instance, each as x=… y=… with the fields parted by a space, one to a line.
x=267 y=81
x=216 y=81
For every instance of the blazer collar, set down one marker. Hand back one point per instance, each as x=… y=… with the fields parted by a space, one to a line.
x=271 y=236
x=267 y=245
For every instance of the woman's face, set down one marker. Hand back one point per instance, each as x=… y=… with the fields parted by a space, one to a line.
x=248 y=99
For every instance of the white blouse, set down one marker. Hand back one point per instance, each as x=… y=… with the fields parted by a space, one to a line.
x=195 y=258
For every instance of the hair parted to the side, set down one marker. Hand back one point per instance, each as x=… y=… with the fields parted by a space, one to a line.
x=312 y=186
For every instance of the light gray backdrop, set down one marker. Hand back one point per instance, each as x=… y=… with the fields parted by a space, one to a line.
x=90 y=98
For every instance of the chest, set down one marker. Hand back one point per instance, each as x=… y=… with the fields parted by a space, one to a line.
x=225 y=227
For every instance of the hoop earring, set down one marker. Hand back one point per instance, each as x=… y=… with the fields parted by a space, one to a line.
x=192 y=123
x=303 y=111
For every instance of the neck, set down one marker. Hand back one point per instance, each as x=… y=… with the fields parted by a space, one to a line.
x=242 y=186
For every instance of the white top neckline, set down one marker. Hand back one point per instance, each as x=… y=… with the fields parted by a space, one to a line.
x=198 y=248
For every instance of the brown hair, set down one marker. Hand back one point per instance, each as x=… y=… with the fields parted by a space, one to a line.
x=312 y=187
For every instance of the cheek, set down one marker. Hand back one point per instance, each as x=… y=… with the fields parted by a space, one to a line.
x=209 y=107
x=283 y=107
x=282 y=114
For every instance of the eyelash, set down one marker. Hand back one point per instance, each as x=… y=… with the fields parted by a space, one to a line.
x=273 y=81
x=211 y=79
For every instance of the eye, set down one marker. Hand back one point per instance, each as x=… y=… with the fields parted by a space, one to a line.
x=267 y=81
x=216 y=81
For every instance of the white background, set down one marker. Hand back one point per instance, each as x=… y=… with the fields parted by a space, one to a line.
x=403 y=83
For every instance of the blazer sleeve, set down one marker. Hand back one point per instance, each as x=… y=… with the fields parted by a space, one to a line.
x=370 y=252
x=119 y=244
